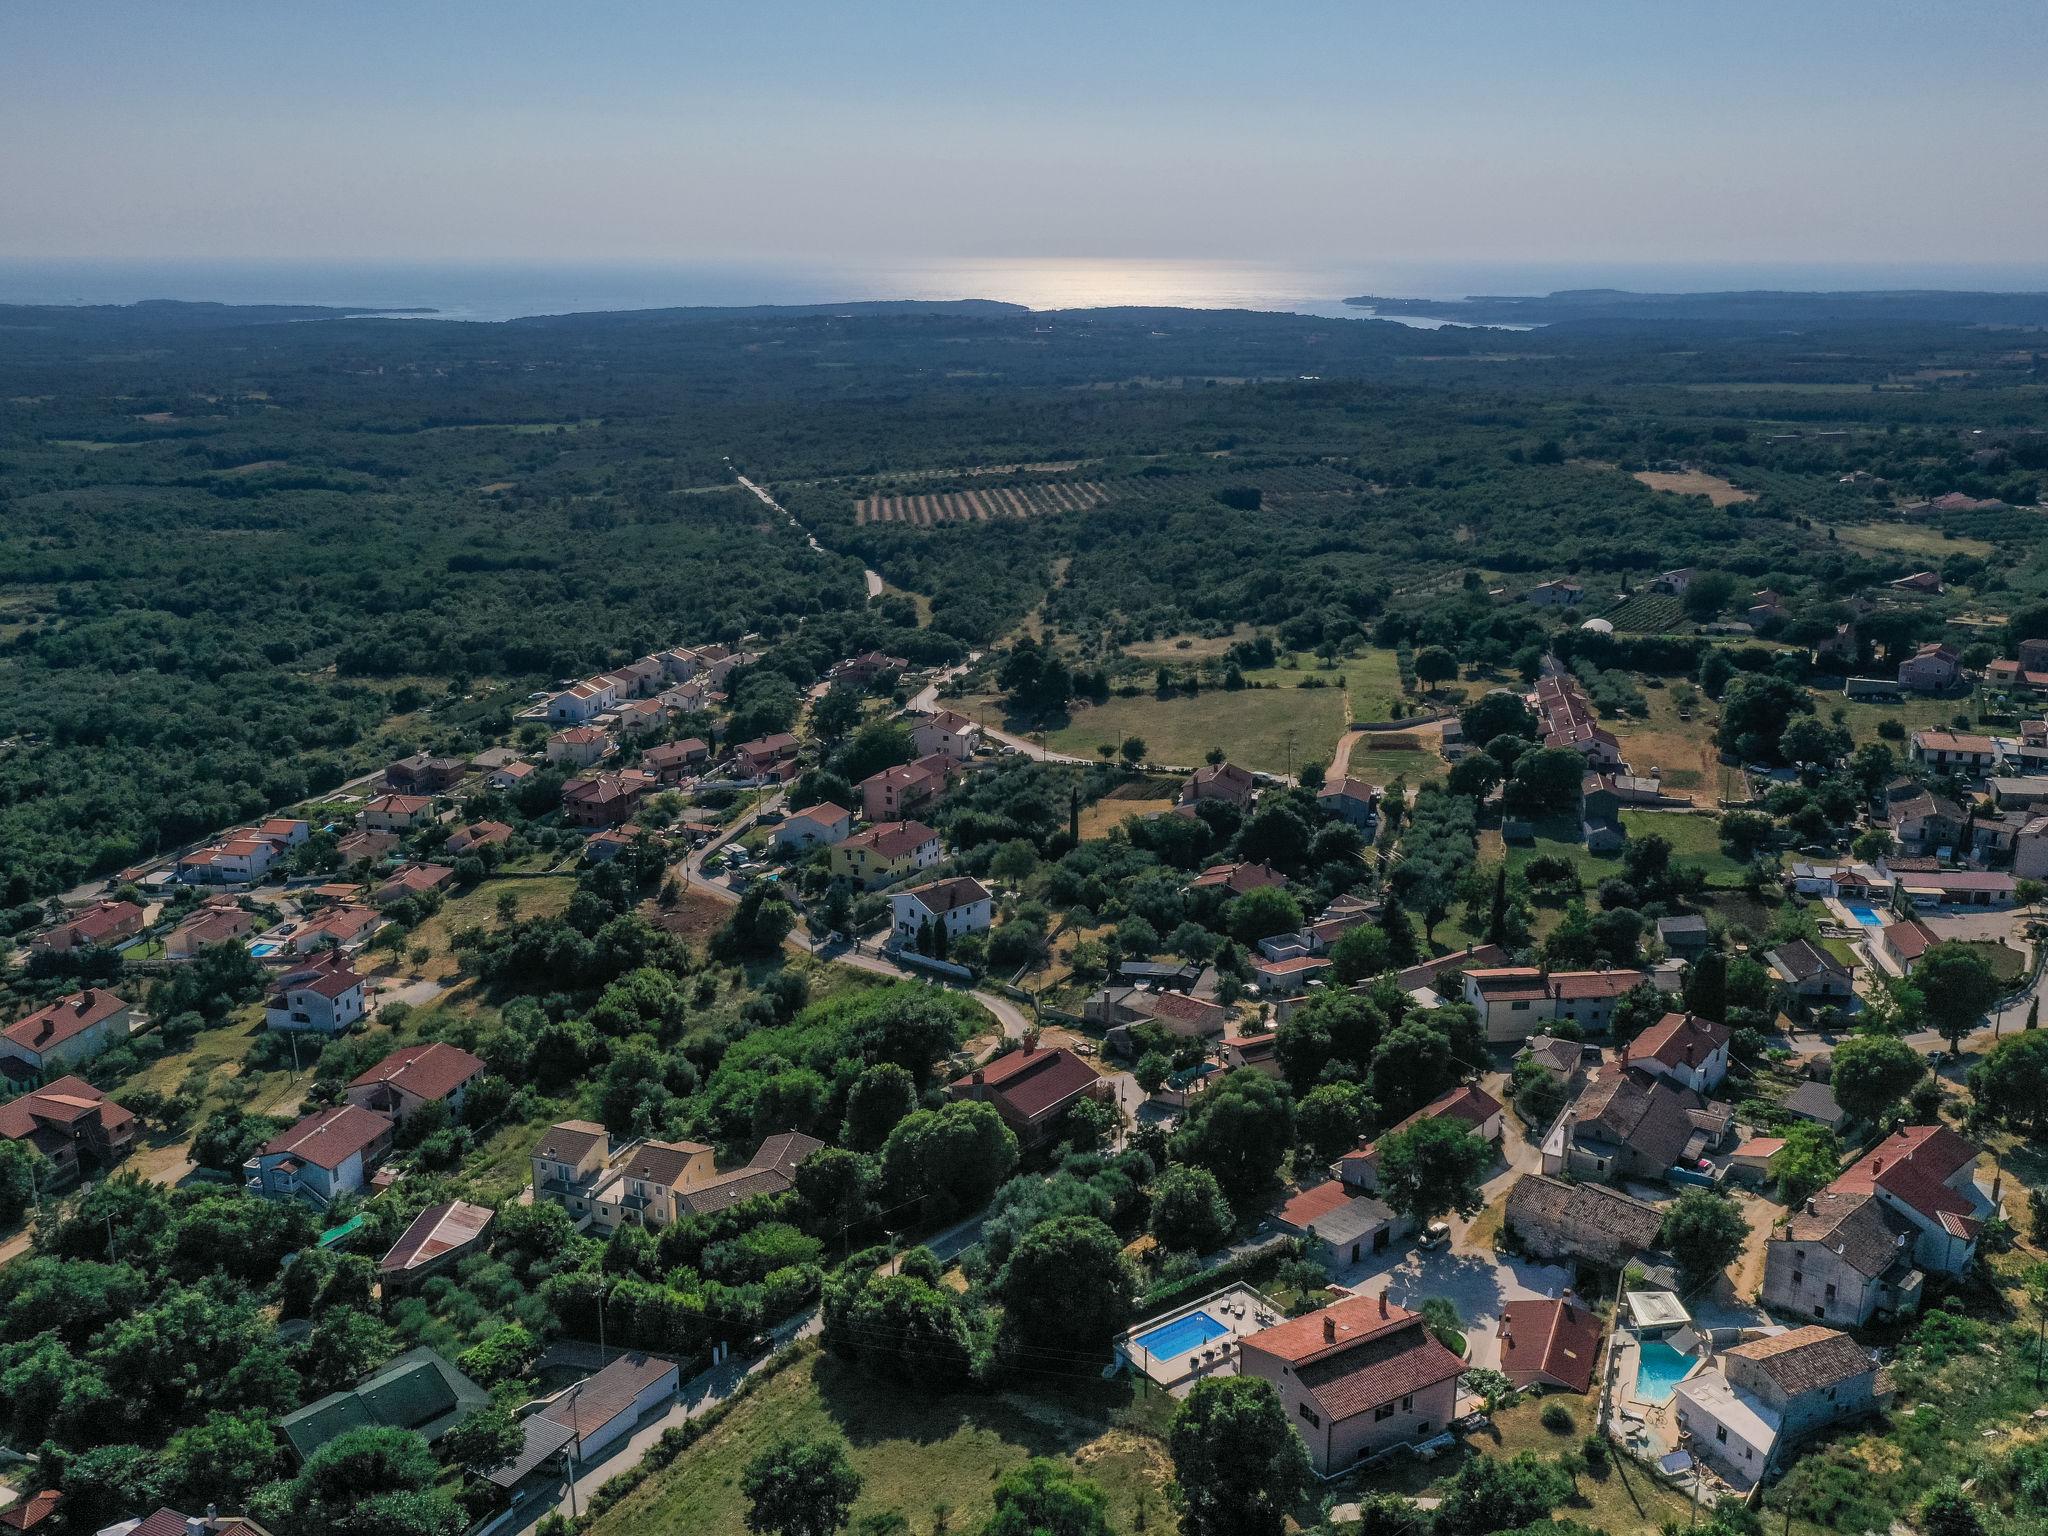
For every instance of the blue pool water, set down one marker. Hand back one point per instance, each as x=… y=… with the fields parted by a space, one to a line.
x=1659 y=1368
x=1182 y=1336
x=264 y=948
x=1863 y=914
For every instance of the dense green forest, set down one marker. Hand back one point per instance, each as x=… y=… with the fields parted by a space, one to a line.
x=244 y=553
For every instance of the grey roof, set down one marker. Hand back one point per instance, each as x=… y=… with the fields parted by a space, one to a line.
x=1587 y=1218
x=1802 y=959
x=418 y=1391
x=1358 y=1217
x=544 y=1439
x=1813 y=1101
x=1858 y=1229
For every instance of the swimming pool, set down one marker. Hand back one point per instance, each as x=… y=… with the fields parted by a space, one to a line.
x=1863 y=914
x=1659 y=1368
x=1182 y=1336
x=263 y=949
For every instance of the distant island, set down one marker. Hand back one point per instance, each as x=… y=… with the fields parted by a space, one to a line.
x=1751 y=307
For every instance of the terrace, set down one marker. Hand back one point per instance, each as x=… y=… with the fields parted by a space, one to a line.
x=1197 y=1339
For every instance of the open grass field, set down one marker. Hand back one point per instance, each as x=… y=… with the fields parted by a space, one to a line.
x=1694 y=840
x=1694 y=482
x=1914 y=539
x=1186 y=647
x=542 y=896
x=1913 y=713
x=1098 y=818
x=915 y=1453
x=1381 y=763
x=980 y=506
x=1250 y=725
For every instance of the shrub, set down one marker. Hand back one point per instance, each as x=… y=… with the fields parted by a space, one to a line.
x=1558 y=1419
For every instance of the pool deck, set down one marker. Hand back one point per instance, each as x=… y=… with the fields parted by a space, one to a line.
x=1240 y=1309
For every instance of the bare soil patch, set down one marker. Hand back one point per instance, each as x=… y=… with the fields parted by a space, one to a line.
x=1695 y=482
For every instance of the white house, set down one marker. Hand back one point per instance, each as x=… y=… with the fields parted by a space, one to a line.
x=72 y=1029
x=815 y=826
x=948 y=732
x=581 y=703
x=1730 y=1427
x=1684 y=1048
x=323 y=998
x=602 y=1411
x=956 y=906
x=329 y=1153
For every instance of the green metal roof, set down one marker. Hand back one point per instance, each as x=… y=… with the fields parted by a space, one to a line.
x=417 y=1391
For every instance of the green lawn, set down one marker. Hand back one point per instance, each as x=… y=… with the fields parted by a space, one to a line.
x=914 y=1451
x=1250 y=725
x=1912 y=714
x=1694 y=840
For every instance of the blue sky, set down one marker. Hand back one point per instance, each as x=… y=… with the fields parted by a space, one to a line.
x=1555 y=130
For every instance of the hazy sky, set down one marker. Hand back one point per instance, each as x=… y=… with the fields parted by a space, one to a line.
x=593 y=129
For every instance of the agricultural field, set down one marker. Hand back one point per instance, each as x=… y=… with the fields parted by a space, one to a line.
x=1911 y=713
x=1694 y=482
x=1654 y=613
x=918 y=1453
x=981 y=506
x=1694 y=840
x=1139 y=797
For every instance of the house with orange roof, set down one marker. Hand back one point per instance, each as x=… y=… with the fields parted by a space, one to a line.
x=395 y=813
x=328 y=1154
x=1685 y=1048
x=323 y=996
x=1549 y=1343
x=1356 y=1378
x=1468 y=1102
x=1340 y=1225
x=69 y=1121
x=1032 y=1089
x=414 y=1076
x=104 y=924
x=61 y=1034
x=884 y=853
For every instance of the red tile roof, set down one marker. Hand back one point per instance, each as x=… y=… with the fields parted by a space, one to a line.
x=1357 y=1354
x=428 y=1072
x=1031 y=1083
x=1580 y=986
x=943 y=896
x=1512 y=983
x=1914 y=1166
x=327 y=1138
x=67 y=1018
x=892 y=839
x=1679 y=1039
x=1554 y=1340
x=33 y=1511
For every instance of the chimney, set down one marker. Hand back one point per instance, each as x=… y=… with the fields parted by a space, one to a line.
x=980 y=1078
x=194 y=1526
x=1812 y=1206
x=1383 y=1303
x=84 y=1002
x=1876 y=1165
x=1330 y=1327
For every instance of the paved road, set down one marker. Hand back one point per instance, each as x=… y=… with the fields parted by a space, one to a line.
x=873 y=578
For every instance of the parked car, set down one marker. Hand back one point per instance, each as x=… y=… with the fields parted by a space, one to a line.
x=1436 y=1234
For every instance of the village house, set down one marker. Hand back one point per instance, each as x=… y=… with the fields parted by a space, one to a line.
x=413 y=880
x=395 y=813
x=1859 y=1247
x=1563 y=1061
x=674 y=761
x=366 y=847
x=478 y=835
x=1352 y=800
x=861 y=671
x=328 y=1154
x=1933 y=668
x=104 y=924
x=1220 y=781
x=1549 y=1343
x=438 y=1239
x=1515 y=1002
x=1553 y=1219
x=604 y=799
x=580 y=703
x=1555 y=594
x=1727 y=1427
x=168 y=1522
x=421 y=774
x=1811 y=973
x=1289 y=977
x=1815 y=1102
x=572 y=1159
x=645 y=1184
x=765 y=756
x=1764 y=606
x=602 y=1411
x=947 y=733
x=1236 y=879
x=1685 y=936
x=885 y=853
x=2030 y=850
x=62 y=1034
x=344 y=929
x=1629 y=1123
x=238 y=859
x=1961 y=753
x=220 y=921
x=1919 y=584
x=771 y=1170
x=414 y=1076
x=1340 y=1225
x=1260 y=1053
x=1923 y=821
x=510 y=776
x=1673 y=583
x=1032 y=1090
x=1935 y=886
x=1905 y=942
x=70 y=1123
x=652 y=1183
x=1685 y=1048
x=894 y=792
x=1479 y=1110
x=578 y=747
x=815 y=826
x=639 y=717
x=1182 y=1016
x=1810 y=1377
x=954 y=907
x=322 y=997
x=1356 y=1378
x=2016 y=676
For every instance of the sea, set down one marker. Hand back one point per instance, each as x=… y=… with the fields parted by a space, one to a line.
x=485 y=291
